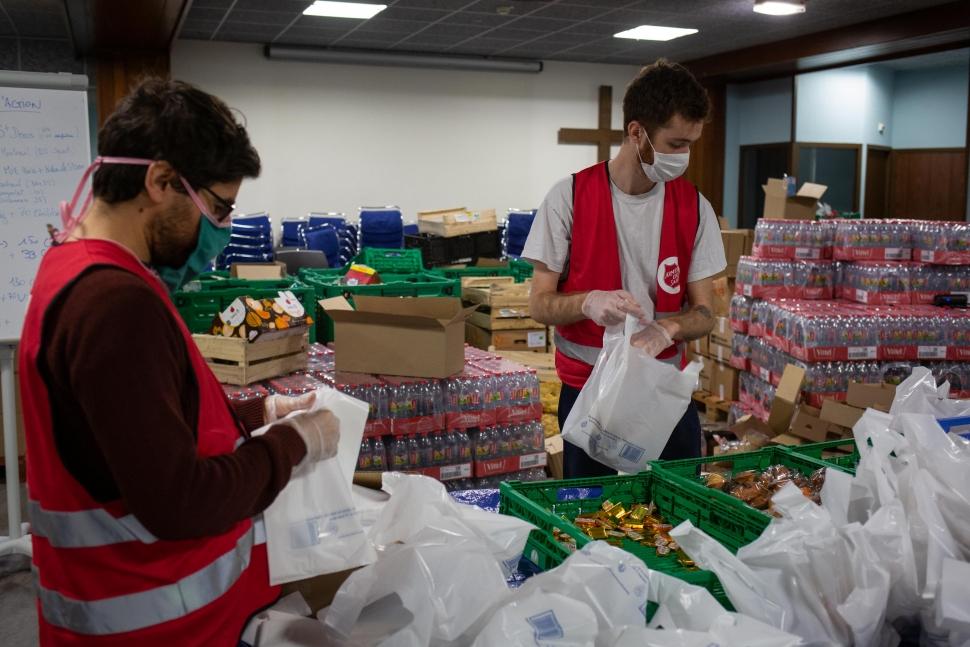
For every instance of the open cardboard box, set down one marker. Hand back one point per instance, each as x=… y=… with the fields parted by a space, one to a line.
x=554 y=456
x=874 y=396
x=801 y=206
x=808 y=427
x=737 y=243
x=410 y=337
x=276 y=270
x=786 y=398
x=840 y=413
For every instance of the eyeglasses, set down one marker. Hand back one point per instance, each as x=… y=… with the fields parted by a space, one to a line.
x=223 y=209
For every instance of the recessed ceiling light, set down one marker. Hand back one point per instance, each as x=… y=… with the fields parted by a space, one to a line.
x=779 y=7
x=653 y=32
x=344 y=9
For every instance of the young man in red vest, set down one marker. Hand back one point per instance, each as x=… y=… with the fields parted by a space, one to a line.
x=630 y=237
x=143 y=485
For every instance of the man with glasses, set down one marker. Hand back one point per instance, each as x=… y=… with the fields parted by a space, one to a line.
x=144 y=488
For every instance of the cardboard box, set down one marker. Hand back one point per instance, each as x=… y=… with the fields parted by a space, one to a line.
x=724 y=382
x=801 y=206
x=748 y=424
x=722 y=333
x=269 y=271
x=411 y=337
x=719 y=353
x=788 y=440
x=737 y=243
x=786 y=398
x=704 y=383
x=722 y=291
x=554 y=456
x=841 y=414
x=809 y=427
x=699 y=346
x=706 y=370
x=875 y=396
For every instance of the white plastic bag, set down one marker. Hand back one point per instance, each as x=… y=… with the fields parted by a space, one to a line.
x=313 y=527
x=540 y=618
x=420 y=502
x=630 y=405
x=428 y=592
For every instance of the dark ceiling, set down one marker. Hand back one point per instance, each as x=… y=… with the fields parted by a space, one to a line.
x=568 y=30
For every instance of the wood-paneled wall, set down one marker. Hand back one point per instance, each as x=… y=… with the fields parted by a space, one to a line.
x=706 y=168
x=929 y=184
x=116 y=74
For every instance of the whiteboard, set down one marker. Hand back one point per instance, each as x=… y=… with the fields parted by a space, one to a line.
x=44 y=149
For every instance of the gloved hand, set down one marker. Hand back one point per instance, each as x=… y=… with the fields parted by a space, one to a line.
x=652 y=340
x=611 y=308
x=320 y=431
x=276 y=407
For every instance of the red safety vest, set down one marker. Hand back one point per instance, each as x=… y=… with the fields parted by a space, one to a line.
x=102 y=578
x=594 y=263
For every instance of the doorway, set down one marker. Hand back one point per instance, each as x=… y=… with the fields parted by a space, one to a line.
x=877 y=181
x=758 y=163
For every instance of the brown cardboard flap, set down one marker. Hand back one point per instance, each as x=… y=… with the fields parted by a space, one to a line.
x=840 y=414
x=275 y=270
x=811 y=190
x=876 y=396
x=444 y=308
x=335 y=304
x=774 y=187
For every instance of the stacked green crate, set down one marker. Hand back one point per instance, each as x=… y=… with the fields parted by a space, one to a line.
x=520 y=270
x=211 y=293
x=841 y=453
x=555 y=504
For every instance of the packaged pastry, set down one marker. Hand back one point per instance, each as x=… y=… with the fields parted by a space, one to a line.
x=253 y=319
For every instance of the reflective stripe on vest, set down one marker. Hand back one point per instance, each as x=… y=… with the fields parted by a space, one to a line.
x=85 y=528
x=136 y=611
x=589 y=354
x=96 y=527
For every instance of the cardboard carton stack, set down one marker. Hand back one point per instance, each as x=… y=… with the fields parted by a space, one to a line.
x=501 y=321
x=718 y=379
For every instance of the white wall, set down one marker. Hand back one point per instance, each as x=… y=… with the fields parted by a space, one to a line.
x=879 y=106
x=832 y=105
x=756 y=113
x=930 y=108
x=335 y=137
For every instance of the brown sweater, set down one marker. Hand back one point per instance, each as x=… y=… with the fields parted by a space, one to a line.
x=125 y=404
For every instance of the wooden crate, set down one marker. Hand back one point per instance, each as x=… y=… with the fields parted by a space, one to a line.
x=502 y=303
x=502 y=340
x=456 y=222
x=543 y=363
x=234 y=361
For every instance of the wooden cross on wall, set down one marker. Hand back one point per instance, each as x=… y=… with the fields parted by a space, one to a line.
x=603 y=136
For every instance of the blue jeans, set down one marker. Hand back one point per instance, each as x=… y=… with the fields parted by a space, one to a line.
x=685 y=441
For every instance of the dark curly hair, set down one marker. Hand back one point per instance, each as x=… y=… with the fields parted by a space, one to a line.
x=662 y=90
x=174 y=121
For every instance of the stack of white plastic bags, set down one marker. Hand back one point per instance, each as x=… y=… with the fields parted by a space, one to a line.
x=440 y=578
x=885 y=555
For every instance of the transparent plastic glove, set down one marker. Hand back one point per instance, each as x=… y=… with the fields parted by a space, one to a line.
x=652 y=340
x=320 y=431
x=611 y=308
x=280 y=406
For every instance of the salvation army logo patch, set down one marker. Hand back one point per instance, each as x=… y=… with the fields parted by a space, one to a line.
x=668 y=277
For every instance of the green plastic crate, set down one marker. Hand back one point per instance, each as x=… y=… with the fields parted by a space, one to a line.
x=554 y=504
x=519 y=270
x=395 y=261
x=821 y=451
x=327 y=285
x=211 y=293
x=729 y=520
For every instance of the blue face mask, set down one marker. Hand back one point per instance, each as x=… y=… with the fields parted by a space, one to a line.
x=212 y=240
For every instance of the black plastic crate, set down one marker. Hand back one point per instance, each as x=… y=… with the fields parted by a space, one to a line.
x=437 y=250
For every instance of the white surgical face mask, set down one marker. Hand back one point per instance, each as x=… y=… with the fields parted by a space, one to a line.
x=666 y=166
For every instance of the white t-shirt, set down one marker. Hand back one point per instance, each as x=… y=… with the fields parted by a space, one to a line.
x=638 y=219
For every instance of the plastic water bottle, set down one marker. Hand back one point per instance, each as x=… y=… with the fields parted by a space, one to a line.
x=365 y=457
x=414 y=452
x=464 y=447
x=378 y=456
x=451 y=448
x=399 y=454
x=426 y=451
x=437 y=449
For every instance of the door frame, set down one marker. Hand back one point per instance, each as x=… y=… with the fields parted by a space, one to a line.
x=859 y=181
x=889 y=172
x=786 y=145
